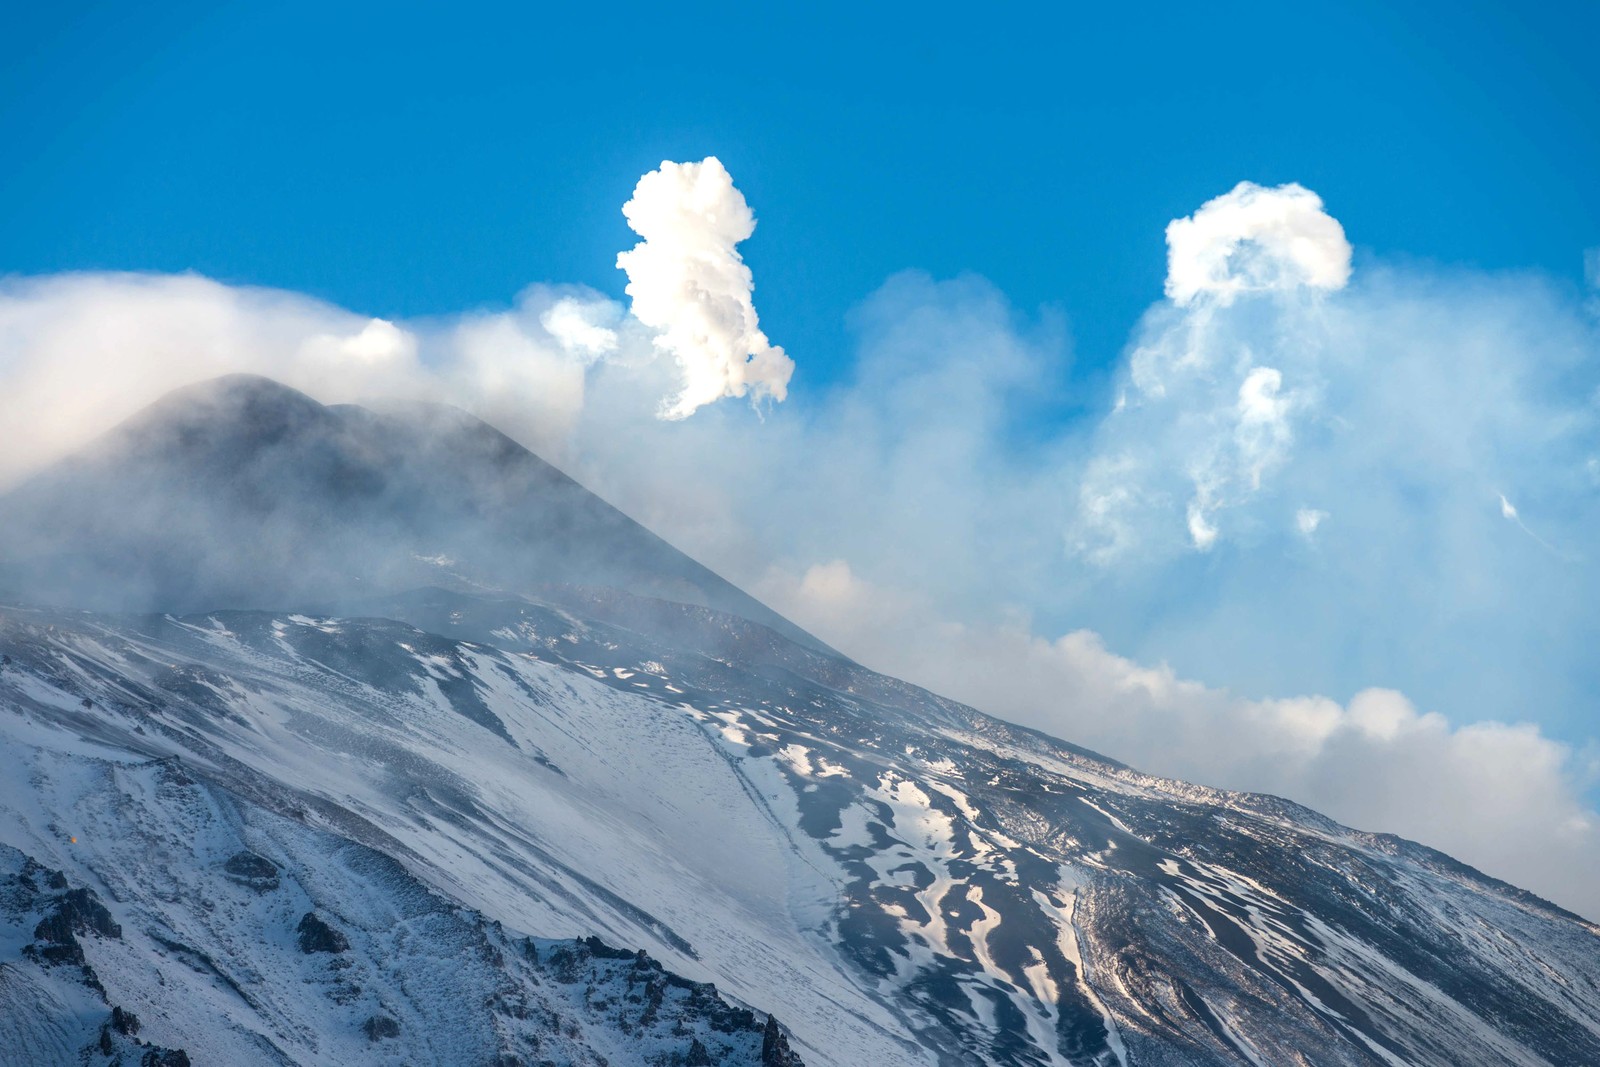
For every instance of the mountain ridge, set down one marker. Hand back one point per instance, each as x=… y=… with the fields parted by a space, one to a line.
x=220 y=494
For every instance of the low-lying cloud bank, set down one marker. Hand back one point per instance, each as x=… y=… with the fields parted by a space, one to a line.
x=80 y=351
x=1500 y=795
x=1305 y=478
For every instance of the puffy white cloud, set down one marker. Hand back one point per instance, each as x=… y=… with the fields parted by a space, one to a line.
x=1401 y=405
x=688 y=281
x=1198 y=377
x=1256 y=239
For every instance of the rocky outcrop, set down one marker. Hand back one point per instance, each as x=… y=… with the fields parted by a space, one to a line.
x=318 y=936
x=635 y=994
x=53 y=967
x=257 y=872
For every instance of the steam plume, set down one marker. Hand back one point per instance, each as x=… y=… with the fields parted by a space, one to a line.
x=689 y=283
x=1253 y=239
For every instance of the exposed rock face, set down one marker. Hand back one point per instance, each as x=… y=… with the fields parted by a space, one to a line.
x=54 y=969
x=68 y=915
x=637 y=995
x=318 y=936
x=775 y=1051
x=252 y=870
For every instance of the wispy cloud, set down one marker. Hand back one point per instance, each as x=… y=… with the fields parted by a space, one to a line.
x=1286 y=492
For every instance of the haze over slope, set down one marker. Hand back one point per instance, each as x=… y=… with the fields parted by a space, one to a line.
x=244 y=493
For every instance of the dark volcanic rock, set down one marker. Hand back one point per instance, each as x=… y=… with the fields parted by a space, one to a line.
x=252 y=870
x=71 y=914
x=164 y=1057
x=124 y=1022
x=318 y=936
x=775 y=1050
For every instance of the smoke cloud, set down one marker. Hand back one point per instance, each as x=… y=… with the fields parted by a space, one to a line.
x=1255 y=239
x=80 y=352
x=688 y=281
x=1298 y=493
x=1292 y=486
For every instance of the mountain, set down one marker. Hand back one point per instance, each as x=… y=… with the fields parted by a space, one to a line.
x=545 y=811
x=240 y=492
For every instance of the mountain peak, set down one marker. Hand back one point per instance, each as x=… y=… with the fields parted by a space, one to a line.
x=243 y=404
x=243 y=492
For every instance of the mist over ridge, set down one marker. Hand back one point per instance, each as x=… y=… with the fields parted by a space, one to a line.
x=240 y=492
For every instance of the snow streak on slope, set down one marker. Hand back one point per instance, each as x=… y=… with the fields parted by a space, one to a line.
x=904 y=880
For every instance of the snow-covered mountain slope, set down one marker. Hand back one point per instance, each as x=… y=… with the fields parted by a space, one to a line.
x=426 y=727
x=899 y=878
x=237 y=932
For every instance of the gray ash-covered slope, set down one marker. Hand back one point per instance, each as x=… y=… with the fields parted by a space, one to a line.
x=438 y=775
x=243 y=493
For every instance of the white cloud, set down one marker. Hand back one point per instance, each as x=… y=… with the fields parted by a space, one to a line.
x=1399 y=402
x=1198 y=371
x=1255 y=239
x=688 y=281
x=1262 y=433
x=1306 y=520
x=575 y=325
x=1201 y=530
x=927 y=519
x=79 y=352
x=525 y=370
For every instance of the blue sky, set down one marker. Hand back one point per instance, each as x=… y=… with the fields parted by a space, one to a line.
x=1329 y=537
x=402 y=161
